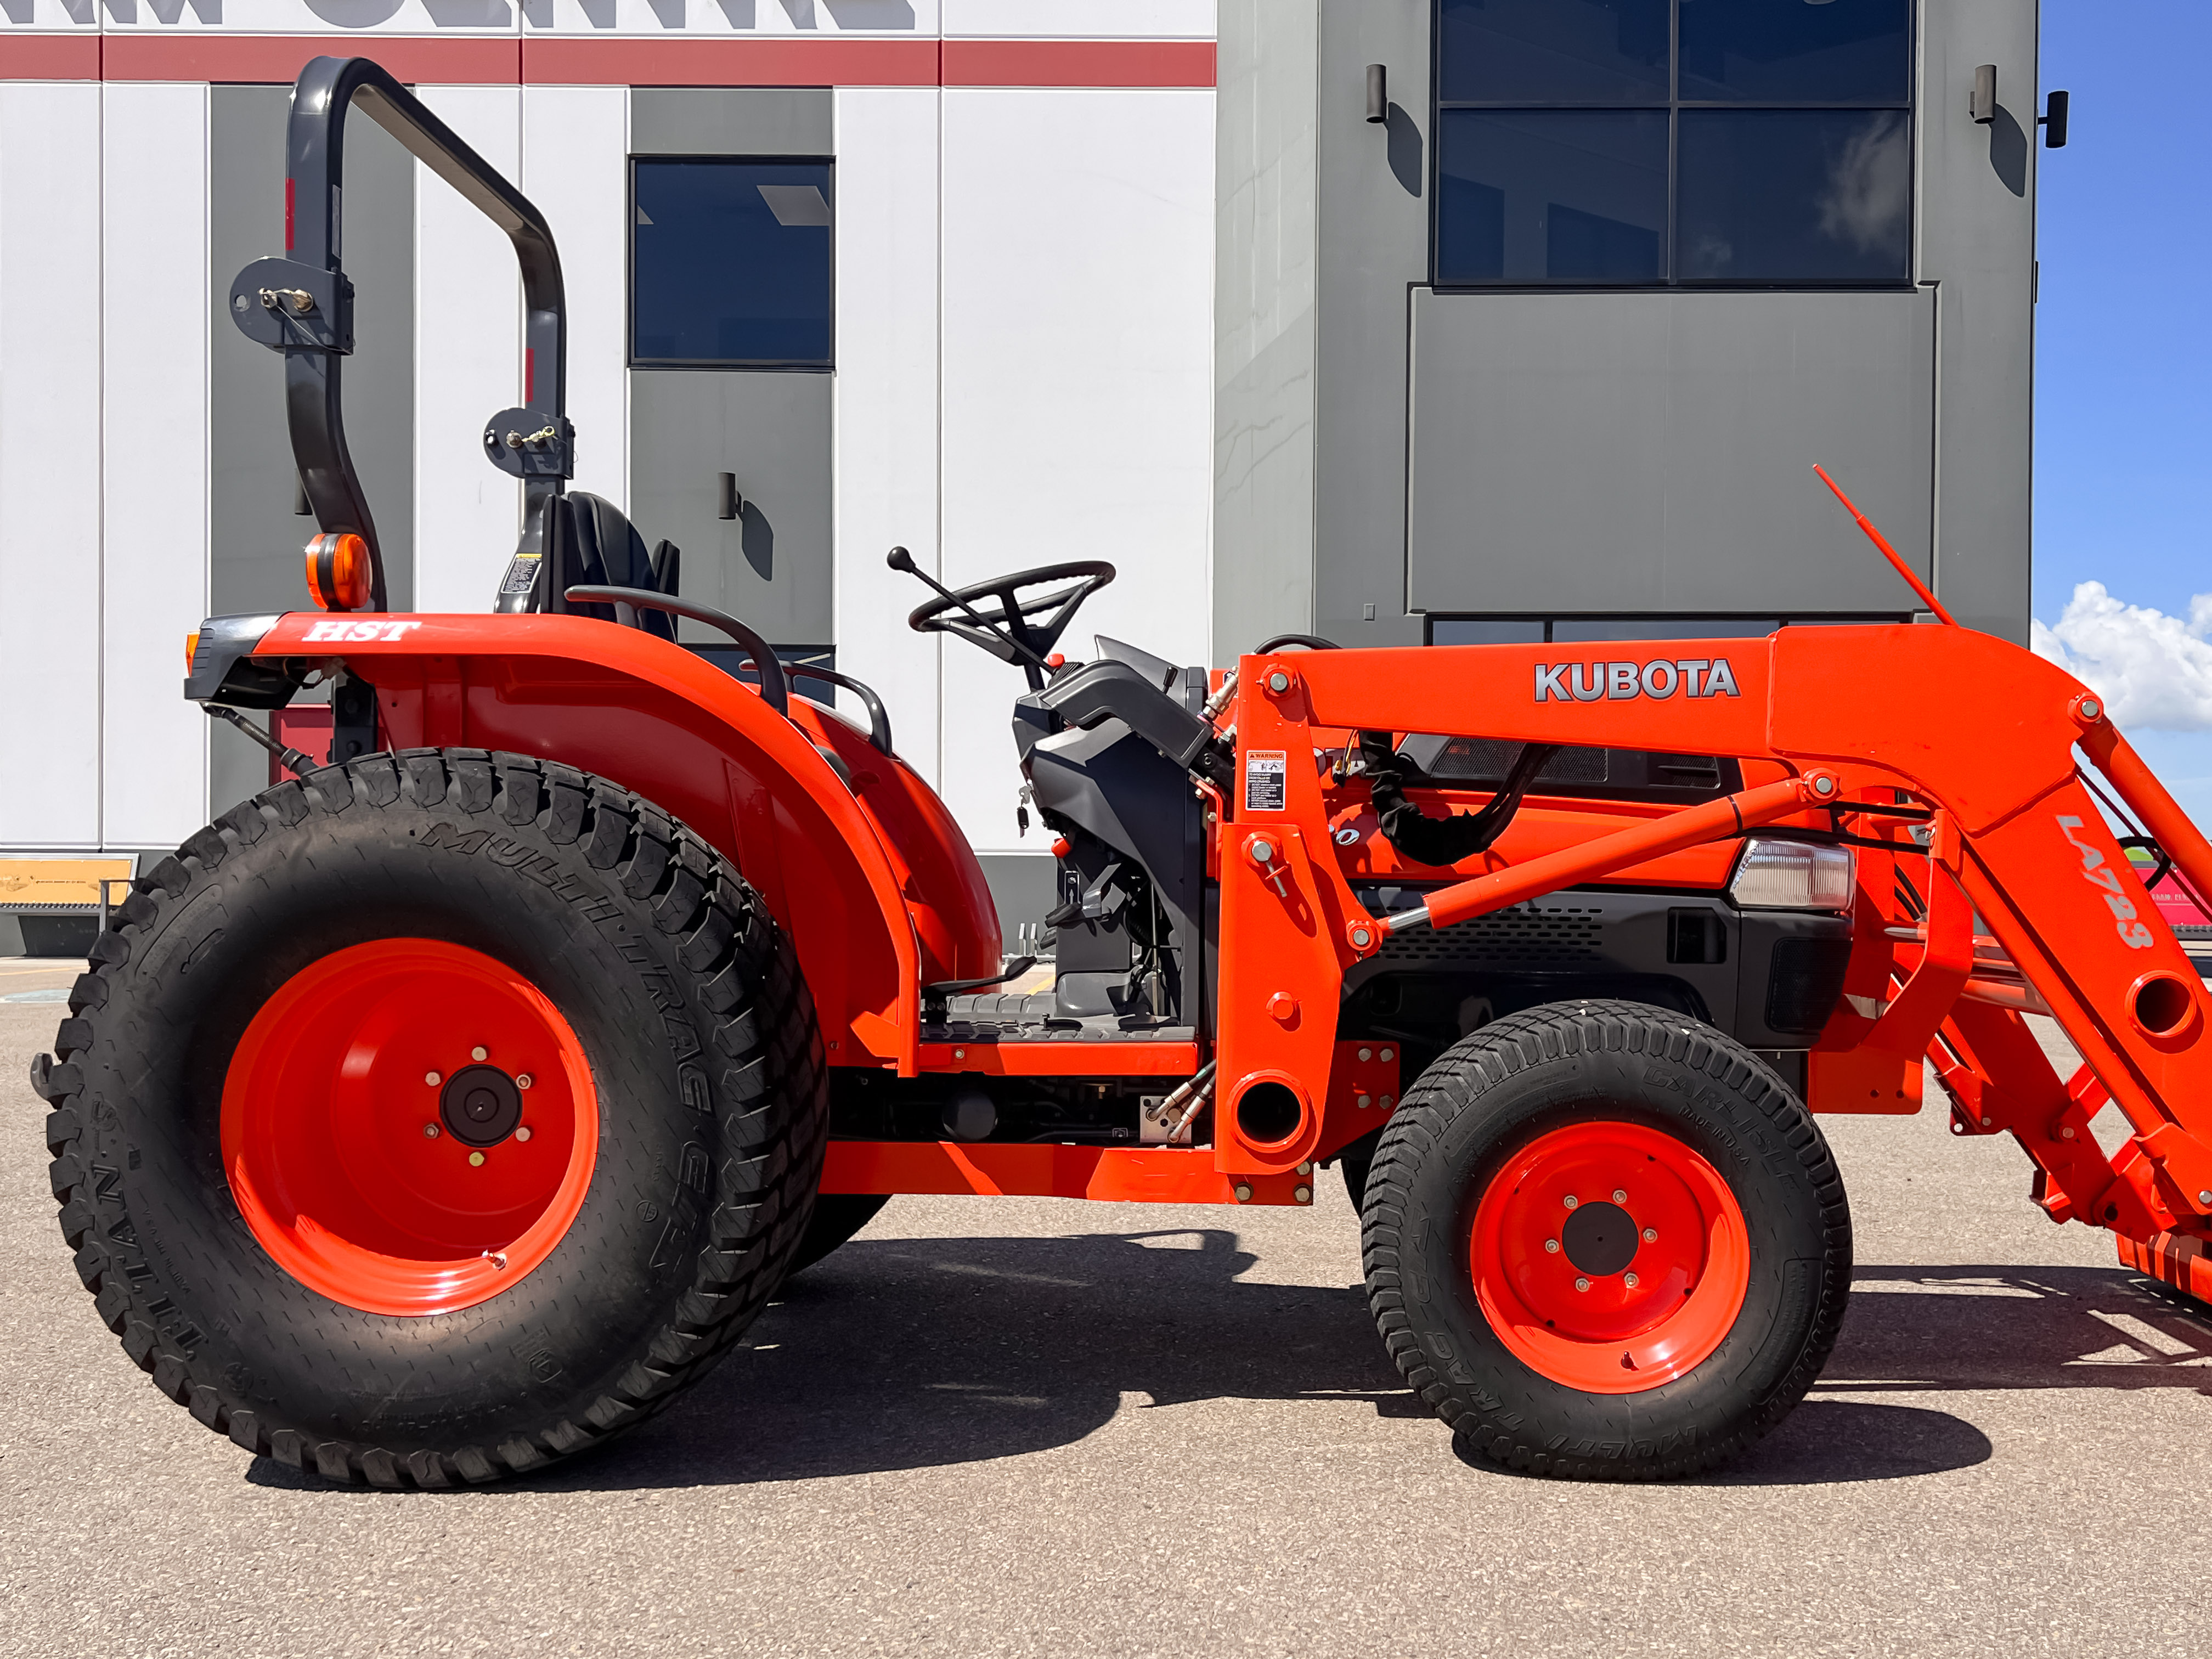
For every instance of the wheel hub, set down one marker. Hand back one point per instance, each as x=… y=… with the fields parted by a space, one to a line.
x=480 y=1106
x=1609 y=1256
x=1600 y=1239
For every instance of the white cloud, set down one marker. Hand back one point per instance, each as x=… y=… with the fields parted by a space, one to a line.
x=2154 y=672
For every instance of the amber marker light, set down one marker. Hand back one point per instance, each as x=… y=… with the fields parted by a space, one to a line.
x=338 y=572
x=191 y=648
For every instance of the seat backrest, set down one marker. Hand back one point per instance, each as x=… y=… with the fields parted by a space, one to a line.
x=603 y=549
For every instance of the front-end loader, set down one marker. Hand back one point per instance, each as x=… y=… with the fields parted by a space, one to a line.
x=450 y=1106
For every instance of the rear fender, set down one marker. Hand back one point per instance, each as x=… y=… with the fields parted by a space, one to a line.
x=658 y=719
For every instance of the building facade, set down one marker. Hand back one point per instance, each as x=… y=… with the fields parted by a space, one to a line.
x=1392 y=320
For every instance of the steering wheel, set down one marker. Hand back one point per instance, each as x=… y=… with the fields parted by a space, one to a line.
x=998 y=616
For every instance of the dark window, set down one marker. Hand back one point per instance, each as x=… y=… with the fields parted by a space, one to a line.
x=1618 y=143
x=1553 y=51
x=1782 y=51
x=1795 y=195
x=1542 y=196
x=730 y=263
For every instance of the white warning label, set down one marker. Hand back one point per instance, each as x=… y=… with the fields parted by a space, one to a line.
x=1267 y=771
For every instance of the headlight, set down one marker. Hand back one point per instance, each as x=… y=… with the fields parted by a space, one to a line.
x=1793 y=875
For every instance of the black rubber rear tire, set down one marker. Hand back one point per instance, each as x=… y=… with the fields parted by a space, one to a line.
x=1522 y=1076
x=686 y=999
x=838 y=1217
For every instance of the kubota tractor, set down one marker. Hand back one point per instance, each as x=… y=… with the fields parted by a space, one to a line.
x=452 y=1105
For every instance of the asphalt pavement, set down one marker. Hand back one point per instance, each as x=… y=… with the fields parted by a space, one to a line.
x=1017 y=1426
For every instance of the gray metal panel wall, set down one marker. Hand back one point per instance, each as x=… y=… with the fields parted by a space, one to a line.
x=1654 y=450
x=1977 y=237
x=771 y=565
x=255 y=538
x=1373 y=215
x=710 y=121
x=772 y=428
x=1264 y=276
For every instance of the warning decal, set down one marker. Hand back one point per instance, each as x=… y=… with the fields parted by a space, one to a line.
x=1266 y=773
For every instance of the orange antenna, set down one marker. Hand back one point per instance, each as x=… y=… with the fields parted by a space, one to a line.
x=1888 y=552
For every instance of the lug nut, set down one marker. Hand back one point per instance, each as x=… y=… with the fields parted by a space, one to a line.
x=1650 y=1235
x=1582 y=1284
x=1303 y=1195
x=1363 y=1102
x=1551 y=1247
x=1385 y=1054
x=1571 y=1200
x=1305 y=1168
x=476 y=1160
x=1629 y=1279
x=523 y=1081
x=1619 y=1195
x=431 y=1078
x=1243 y=1193
x=479 y=1053
x=523 y=1133
x=430 y=1132
x=1367 y=1054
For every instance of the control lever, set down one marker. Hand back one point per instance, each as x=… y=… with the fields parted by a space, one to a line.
x=900 y=559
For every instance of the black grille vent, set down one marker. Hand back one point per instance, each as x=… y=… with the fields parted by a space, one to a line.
x=1551 y=934
x=1805 y=980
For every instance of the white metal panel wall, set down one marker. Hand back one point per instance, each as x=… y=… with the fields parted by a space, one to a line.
x=154 y=310
x=575 y=146
x=468 y=362
x=886 y=462
x=1096 y=19
x=50 y=463
x=1078 y=363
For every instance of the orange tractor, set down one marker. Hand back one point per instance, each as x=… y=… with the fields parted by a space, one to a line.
x=452 y=1105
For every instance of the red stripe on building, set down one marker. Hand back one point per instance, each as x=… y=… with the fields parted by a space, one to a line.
x=571 y=60
x=49 y=57
x=719 y=61
x=1078 y=64
x=278 y=58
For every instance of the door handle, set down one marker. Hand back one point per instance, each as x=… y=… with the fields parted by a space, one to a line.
x=728 y=504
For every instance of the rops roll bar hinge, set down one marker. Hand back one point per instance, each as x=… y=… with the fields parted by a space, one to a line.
x=301 y=306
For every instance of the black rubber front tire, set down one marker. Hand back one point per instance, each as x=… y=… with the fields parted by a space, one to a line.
x=684 y=997
x=1494 y=1093
x=838 y=1217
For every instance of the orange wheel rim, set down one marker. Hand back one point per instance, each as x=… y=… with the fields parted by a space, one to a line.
x=1610 y=1257
x=375 y=1186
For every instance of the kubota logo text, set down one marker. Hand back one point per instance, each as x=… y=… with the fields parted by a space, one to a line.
x=1586 y=682
x=2099 y=874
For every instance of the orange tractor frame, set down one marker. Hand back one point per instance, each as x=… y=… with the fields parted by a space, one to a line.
x=452 y=1108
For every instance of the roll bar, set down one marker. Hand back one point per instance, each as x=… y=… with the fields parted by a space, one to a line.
x=301 y=305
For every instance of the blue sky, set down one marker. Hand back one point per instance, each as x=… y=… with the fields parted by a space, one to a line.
x=2124 y=341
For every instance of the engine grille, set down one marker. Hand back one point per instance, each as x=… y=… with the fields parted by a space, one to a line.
x=1553 y=933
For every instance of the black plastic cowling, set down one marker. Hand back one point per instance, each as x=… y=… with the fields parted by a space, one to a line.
x=1115 y=690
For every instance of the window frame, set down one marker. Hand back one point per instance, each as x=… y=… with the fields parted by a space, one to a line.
x=824 y=365
x=1674 y=104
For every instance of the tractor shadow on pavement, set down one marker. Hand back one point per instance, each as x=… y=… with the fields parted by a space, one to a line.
x=899 y=1354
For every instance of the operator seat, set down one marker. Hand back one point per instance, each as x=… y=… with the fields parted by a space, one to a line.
x=596 y=546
